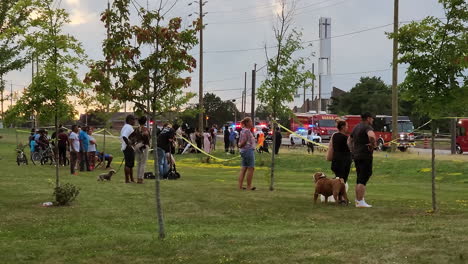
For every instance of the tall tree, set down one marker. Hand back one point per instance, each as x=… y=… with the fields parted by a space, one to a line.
x=218 y=111
x=14 y=21
x=436 y=52
x=285 y=72
x=369 y=94
x=145 y=62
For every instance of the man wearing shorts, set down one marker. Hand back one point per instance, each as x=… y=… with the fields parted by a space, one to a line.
x=127 y=148
x=362 y=143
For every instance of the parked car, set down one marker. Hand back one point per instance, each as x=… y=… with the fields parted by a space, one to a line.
x=304 y=133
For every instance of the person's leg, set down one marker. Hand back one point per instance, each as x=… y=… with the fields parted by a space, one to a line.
x=127 y=174
x=72 y=162
x=138 y=158
x=109 y=161
x=87 y=161
x=365 y=171
x=241 y=177
x=82 y=160
x=250 y=173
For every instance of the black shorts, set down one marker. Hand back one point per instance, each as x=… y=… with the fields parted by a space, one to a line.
x=363 y=170
x=341 y=168
x=129 y=155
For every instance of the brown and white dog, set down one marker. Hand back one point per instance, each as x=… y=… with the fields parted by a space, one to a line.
x=328 y=187
x=106 y=176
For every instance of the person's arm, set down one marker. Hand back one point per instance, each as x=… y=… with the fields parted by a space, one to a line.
x=372 y=139
x=351 y=143
x=242 y=141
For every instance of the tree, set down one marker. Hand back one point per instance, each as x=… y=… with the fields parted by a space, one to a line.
x=14 y=20
x=435 y=51
x=218 y=111
x=59 y=54
x=284 y=72
x=369 y=94
x=152 y=82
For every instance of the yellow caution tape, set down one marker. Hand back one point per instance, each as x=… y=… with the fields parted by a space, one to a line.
x=304 y=138
x=207 y=154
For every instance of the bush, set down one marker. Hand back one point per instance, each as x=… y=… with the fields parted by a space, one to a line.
x=65 y=194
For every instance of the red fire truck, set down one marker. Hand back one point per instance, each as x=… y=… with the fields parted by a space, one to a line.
x=383 y=130
x=462 y=136
x=321 y=124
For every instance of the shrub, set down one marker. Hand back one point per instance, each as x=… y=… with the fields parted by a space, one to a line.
x=65 y=194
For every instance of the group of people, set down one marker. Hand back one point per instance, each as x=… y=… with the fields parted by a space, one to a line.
x=343 y=149
x=79 y=143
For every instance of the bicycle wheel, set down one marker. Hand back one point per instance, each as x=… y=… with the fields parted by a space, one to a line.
x=36 y=158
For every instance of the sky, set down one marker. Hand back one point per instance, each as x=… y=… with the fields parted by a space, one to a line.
x=236 y=31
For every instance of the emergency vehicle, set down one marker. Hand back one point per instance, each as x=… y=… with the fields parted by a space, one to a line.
x=322 y=125
x=462 y=136
x=383 y=130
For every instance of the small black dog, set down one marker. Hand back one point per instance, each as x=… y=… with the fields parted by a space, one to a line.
x=106 y=176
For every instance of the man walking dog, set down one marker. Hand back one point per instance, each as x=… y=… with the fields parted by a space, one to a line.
x=362 y=143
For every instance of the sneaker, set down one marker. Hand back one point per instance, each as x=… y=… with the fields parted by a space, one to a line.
x=362 y=204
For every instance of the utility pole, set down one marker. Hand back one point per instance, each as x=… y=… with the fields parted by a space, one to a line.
x=254 y=76
x=319 y=103
x=244 y=95
x=200 y=78
x=303 y=104
x=313 y=82
x=395 y=77
x=11 y=94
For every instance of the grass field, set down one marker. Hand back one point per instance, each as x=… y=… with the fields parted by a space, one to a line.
x=209 y=221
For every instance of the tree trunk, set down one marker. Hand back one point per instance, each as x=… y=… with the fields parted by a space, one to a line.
x=434 y=204
x=57 y=180
x=272 y=169
x=159 y=210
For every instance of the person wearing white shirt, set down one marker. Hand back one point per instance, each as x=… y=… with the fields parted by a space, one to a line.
x=91 y=149
x=74 y=142
x=127 y=148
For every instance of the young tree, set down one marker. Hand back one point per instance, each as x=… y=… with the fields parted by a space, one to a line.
x=284 y=72
x=146 y=62
x=59 y=54
x=435 y=51
x=14 y=21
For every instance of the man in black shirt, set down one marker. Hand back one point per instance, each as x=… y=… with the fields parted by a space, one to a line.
x=362 y=143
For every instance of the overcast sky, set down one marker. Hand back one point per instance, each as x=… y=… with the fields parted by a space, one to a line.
x=237 y=30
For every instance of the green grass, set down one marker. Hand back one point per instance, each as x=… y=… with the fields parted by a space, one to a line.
x=209 y=221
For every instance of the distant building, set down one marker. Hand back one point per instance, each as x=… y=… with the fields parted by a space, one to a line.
x=311 y=105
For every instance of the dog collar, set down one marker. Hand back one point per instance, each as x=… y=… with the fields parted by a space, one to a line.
x=322 y=176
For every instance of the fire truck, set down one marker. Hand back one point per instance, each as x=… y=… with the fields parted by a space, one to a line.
x=383 y=130
x=462 y=136
x=322 y=124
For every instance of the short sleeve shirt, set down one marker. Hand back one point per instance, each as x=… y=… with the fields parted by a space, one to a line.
x=126 y=131
x=91 y=147
x=84 y=140
x=247 y=136
x=361 y=141
x=75 y=141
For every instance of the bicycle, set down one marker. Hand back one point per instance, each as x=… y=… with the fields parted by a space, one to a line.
x=20 y=156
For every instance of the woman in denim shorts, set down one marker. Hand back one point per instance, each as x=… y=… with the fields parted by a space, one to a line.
x=247 y=147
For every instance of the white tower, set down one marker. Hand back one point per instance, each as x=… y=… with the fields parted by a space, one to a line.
x=324 y=63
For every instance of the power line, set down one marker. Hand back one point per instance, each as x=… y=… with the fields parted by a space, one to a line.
x=269 y=17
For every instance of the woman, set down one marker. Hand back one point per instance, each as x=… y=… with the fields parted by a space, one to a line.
x=247 y=147
x=141 y=137
x=207 y=140
x=338 y=152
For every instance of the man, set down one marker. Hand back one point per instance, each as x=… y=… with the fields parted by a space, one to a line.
x=226 y=139
x=127 y=148
x=164 y=148
x=84 y=144
x=362 y=143
x=214 y=133
x=278 y=140
x=74 y=142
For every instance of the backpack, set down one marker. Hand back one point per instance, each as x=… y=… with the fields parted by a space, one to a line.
x=149 y=175
x=172 y=174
